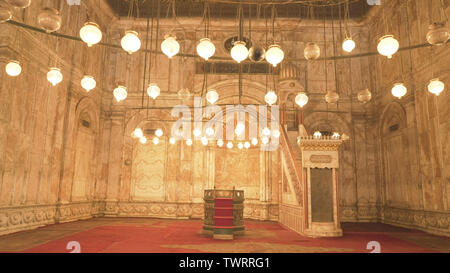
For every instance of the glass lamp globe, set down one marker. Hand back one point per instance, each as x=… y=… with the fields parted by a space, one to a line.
x=138 y=133
x=88 y=83
x=438 y=34
x=189 y=142
x=5 y=13
x=172 y=140
x=13 y=68
x=219 y=142
x=247 y=145
x=348 y=45
x=159 y=133
x=155 y=140
x=270 y=97
x=274 y=55
x=301 y=99
x=264 y=140
x=254 y=141
x=204 y=141
x=130 y=41
x=311 y=51
x=90 y=33
x=170 y=46
x=19 y=3
x=197 y=132
x=54 y=76
x=332 y=97
x=364 y=95
x=120 y=93
x=49 y=20
x=276 y=133
x=209 y=131
x=266 y=131
x=143 y=140
x=317 y=134
x=435 y=86
x=240 y=128
x=388 y=46
x=212 y=96
x=205 y=48
x=239 y=52
x=399 y=90
x=153 y=90
x=335 y=135
x=256 y=53
x=229 y=145
x=240 y=145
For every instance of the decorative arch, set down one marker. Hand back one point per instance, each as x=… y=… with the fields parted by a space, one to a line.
x=317 y=120
x=393 y=115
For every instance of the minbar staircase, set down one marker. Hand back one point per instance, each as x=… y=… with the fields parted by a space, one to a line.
x=292 y=216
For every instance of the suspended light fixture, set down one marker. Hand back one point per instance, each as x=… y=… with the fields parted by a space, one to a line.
x=204 y=141
x=239 y=52
x=264 y=140
x=317 y=134
x=247 y=145
x=364 y=95
x=388 y=46
x=120 y=93
x=335 y=135
x=153 y=90
x=270 y=97
x=438 y=34
x=274 y=55
x=130 y=41
x=348 y=45
x=256 y=53
x=172 y=140
x=54 y=76
x=332 y=97
x=240 y=128
x=90 y=33
x=212 y=96
x=49 y=20
x=138 y=133
x=254 y=141
x=276 y=133
x=229 y=145
x=301 y=99
x=159 y=133
x=399 y=90
x=88 y=83
x=197 y=132
x=13 y=68
x=170 y=46
x=220 y=142
x=189 y=142
x=143 y=140
x=209 y=131
x=205 y=48
x=435 y=86
x=5 y=13
x=311 y=51
x=266 y=131
x=240 y=145
x=155 y=140
x=19 y=3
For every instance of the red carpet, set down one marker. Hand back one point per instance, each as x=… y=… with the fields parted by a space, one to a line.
x=184 y=236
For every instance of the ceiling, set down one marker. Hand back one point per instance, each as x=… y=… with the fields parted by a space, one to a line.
x=223 y=9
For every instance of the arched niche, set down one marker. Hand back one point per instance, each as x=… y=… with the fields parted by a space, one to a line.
x=85 y=149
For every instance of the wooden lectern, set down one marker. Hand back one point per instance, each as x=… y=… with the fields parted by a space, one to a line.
x=224 y=213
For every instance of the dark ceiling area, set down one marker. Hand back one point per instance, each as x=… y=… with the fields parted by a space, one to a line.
x=195 y=8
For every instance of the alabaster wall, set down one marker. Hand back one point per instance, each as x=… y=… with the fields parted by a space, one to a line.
x=412 y=161
x=48 y=170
